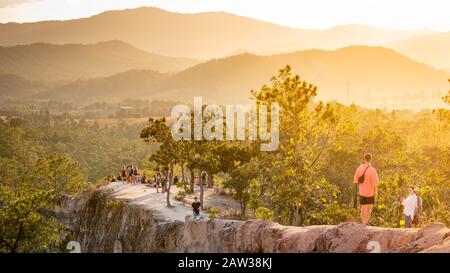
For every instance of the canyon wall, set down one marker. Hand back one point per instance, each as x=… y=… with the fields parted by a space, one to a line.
x=102 y=223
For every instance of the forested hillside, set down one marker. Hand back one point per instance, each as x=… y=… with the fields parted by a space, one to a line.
x=68 y=62
x=308 y=180
x=360 y=74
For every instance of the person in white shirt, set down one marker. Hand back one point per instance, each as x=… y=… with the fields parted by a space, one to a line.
x=409 y=204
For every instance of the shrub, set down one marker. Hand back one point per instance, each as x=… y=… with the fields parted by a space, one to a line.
x=264 y=214
x=180 y=195
x=114 y=203
x=213 y=212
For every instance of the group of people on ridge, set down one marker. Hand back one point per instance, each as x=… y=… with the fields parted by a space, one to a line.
x=366 y=177
x=160 y=181
x=131 y=175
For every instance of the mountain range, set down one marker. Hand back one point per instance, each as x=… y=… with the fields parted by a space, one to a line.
x=218 y=34
x=433 y=49
x=367 y=73
x=50 y=62
x=156 y=54
x=16 y=86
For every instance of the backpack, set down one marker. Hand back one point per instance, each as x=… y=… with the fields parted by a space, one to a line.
x=361 y=178
x=418 y=209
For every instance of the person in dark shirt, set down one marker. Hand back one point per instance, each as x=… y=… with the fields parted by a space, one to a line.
x=158 y=182
x=196 y=207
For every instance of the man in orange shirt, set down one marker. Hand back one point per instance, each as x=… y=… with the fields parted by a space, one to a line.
x=367 y=179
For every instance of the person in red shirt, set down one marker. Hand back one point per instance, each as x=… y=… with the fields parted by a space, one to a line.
x=367 y=187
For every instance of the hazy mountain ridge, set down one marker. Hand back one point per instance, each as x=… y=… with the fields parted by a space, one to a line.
x=370 y=73
x=432 y=48
x=346 y=35
x=50 y=62
x=371 y=70
x=16 y=86
x=96 y=71
x=132 y=83
x=201 y=35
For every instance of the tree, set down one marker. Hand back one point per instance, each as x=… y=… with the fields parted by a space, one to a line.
x=240 y=180
x=297 y=191
x=169 y=151
x=23 y=228
x=444 y=114
x=60 y=174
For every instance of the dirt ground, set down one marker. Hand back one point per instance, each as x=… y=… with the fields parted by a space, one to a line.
x=147 y=197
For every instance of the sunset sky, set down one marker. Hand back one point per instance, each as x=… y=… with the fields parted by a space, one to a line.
x=318 y=14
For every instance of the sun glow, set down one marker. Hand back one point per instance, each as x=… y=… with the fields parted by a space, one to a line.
x=320 y=14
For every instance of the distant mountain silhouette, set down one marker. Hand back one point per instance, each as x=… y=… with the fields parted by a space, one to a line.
x=433 y=49
x=346 y=35
x=15 y=86
x=133 y=83
x=201 y=35
x=370 y=73
x=49 y=62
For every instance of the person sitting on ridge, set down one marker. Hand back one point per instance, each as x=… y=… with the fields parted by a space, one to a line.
x=196 y=207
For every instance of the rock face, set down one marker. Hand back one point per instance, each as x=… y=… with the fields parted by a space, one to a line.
x=101 y=223
x=202 y=235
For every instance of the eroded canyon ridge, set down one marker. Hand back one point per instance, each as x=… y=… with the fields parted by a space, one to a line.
x=101 y=222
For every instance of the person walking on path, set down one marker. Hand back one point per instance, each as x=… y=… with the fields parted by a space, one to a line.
x=366 y=177
x=409 y=207
x=158 y=182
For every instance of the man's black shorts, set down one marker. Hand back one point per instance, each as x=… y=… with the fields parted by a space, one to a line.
x=366 y=200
